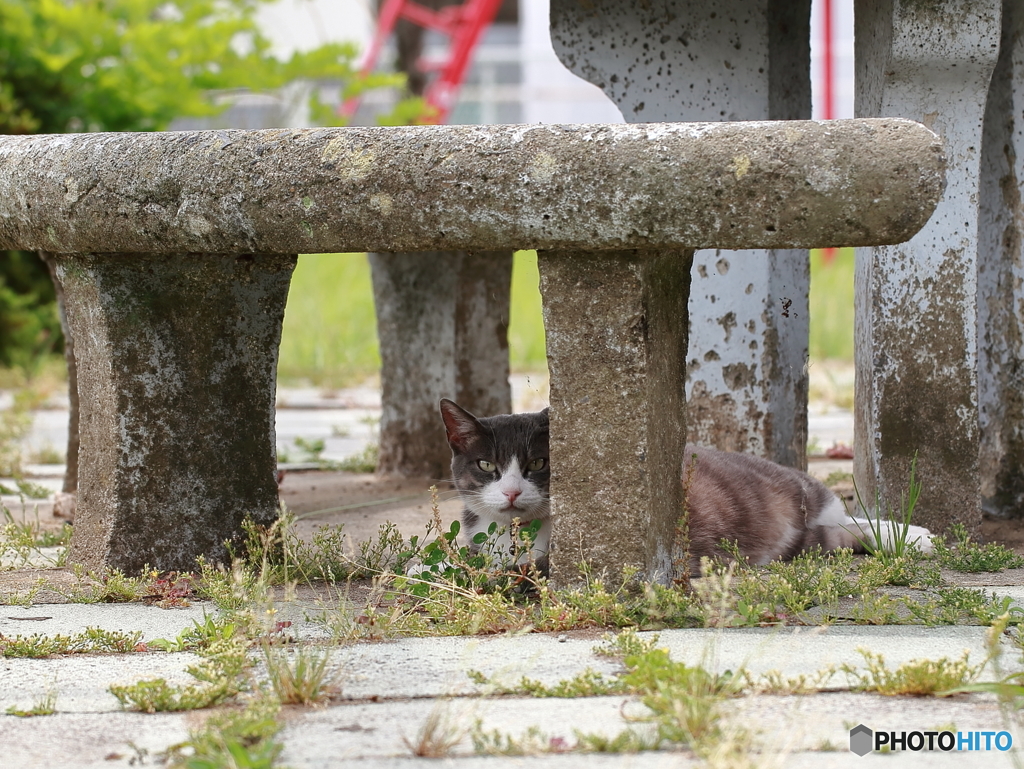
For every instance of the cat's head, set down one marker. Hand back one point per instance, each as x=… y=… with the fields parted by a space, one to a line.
x=499 y=464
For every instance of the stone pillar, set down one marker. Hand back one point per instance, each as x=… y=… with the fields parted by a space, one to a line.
x=1001 y=277
x=177 y=359
x=616 y=330
x=730 y=60
x=442 y=320
x=916 y=333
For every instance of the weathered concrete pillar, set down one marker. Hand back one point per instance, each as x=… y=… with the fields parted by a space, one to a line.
x=916 y=333
x=730 y=60
x=177 y=359
x=1001 y=277
x=442 y=320
x=616 y=340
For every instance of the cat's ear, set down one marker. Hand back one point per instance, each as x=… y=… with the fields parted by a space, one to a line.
x=459 y=424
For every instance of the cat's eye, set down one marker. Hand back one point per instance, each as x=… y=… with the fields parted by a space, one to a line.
x=487 y=467
x=537 y=464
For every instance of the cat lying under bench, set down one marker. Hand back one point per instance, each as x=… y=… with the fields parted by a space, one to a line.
x=500 y=468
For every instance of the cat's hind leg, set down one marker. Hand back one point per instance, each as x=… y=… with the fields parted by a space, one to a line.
x=835 y=528
x=886 y=534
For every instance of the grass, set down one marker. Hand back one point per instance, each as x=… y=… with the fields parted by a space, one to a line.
x=329 y=337
x=299 y=677
x=831 y=305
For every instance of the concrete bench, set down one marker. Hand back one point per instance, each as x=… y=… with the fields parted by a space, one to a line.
x=175 y=252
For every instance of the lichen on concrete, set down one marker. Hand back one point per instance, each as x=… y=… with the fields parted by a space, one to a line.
x=616 y=340
x=419 y=188
x=177 y=359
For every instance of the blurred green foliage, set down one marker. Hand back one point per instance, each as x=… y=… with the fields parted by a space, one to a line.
x=133 y=65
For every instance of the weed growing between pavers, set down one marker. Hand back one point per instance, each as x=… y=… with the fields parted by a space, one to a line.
x=451 y=591
x=299 y=676
x=685 y=706
x=917 y=677
x=440 y=733
x=890 y=541
x=219 y=676
x=242 y=738
x=21 y=542
x=92 y=640
x=44 y=706
x=967 y=555
x=364 y=461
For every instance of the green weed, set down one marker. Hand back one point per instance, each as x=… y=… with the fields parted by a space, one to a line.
x=21 y=541
x=809 y=579
x=956 y=605
x=45 y=706
x=888 y=538
x=873 y=608
x=589 y=683
x=200 y=636
x=219 y=677
x=301 y=676
x=531 y=742
x=364 y=461
x=774 y=682
x=908 y=569
x=625 y=644
x=684 y=704
x=92 y=640
x=967 y=555
x=233 y=739
x=917 y=677
x=837 y=477
x=32 y=490
x=47 y=454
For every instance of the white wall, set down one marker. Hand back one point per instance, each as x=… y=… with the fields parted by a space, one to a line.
x=305 y=24
x=842 y=49
x=551 y=93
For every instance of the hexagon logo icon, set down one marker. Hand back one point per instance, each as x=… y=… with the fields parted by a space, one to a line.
x=860 y=740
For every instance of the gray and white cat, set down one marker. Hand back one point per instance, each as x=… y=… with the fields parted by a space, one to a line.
x=500 y=467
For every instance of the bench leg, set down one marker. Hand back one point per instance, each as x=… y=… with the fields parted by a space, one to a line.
x=616 y=325
x=442 y=320
x=177 y=359
x=916 y=348
x=1001 y=278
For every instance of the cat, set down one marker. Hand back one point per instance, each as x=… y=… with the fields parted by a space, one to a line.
x=501 y=469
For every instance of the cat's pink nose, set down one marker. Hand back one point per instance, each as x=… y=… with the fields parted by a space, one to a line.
x=512 y=496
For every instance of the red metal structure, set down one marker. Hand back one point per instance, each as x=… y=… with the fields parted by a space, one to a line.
x=463 y=24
